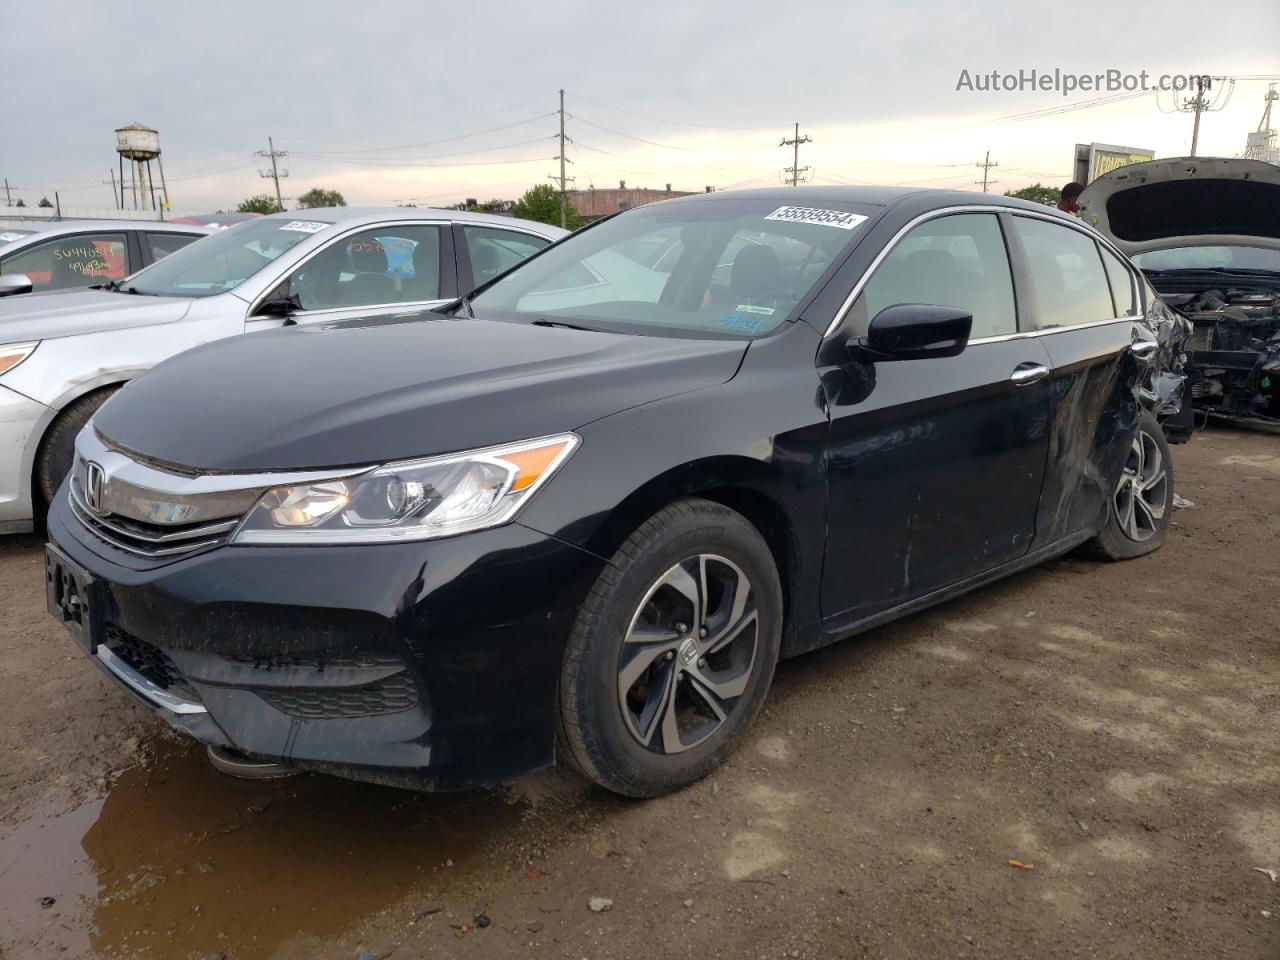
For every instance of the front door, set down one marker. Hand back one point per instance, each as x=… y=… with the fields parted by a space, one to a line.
x=934 y=466
x=380 y=270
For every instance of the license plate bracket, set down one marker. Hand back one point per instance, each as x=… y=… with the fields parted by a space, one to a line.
x=69 y=590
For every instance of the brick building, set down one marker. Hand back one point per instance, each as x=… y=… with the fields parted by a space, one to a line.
x=593 y=203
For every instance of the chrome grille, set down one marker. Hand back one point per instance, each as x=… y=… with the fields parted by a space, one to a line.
x=148 y=539
x=145 y=510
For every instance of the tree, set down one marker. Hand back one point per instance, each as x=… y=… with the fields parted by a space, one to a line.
x=44 y=202
x=542 y=203
x=1037 y=193
x=317 y=197
x=20 y=203
x=262 y=203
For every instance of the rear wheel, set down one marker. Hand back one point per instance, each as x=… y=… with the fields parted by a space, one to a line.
x=1138 y=516
x=58 y=449
x=672 y=653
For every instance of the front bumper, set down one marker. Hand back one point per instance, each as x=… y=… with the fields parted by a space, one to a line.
x=20 y=420
x=431 y=665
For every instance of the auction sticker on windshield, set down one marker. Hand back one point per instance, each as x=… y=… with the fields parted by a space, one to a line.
x=305 y=226
x=827 y=218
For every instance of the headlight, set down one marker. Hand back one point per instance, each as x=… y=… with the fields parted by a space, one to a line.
x=414 y=500
x=12 y=354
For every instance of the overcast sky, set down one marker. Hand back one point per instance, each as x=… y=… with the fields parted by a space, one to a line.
x=379 y=99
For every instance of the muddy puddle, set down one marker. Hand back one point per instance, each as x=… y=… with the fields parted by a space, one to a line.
x=176 y=860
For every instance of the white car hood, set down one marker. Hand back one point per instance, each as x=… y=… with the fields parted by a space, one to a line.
x=1186 y=201
x=67 y=313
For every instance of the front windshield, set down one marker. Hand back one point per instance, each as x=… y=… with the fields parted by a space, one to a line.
x=1210 y=258
x=9 y=235
x=711 y=267
x=222 y=261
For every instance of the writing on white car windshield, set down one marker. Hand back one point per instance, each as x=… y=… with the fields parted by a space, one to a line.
x=222 y=261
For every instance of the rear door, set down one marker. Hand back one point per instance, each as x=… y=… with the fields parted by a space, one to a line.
x=156 y=245
x=484 y=251
x=935 y=466
x=1082 y=303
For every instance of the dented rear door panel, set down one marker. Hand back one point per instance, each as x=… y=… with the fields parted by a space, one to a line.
x=1094 y=409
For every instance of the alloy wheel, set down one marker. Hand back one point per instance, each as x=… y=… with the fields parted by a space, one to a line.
x=1142 y=493
x=688 y=655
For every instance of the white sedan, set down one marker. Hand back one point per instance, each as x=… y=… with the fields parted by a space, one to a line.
x=63 y=353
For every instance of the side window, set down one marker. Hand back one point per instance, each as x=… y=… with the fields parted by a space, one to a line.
x=493 y=250
x=70 y=261
x=952 y=261
x=1071 y=286
x=163 y=244
x=1121 y=283
x=391 y=264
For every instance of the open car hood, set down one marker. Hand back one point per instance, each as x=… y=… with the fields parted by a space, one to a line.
x=1186 y=201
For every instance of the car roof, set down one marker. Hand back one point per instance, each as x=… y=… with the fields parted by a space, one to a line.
x=353 y=216
x=55 y=227
x=868 y=195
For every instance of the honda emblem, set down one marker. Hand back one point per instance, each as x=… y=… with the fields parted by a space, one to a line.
x=95 y=486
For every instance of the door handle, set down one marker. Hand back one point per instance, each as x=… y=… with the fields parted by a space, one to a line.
x=1030 y=372
x=1144 y=349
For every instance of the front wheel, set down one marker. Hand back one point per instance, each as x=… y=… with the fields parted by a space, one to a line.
x=672 y=652
x=1138 y=514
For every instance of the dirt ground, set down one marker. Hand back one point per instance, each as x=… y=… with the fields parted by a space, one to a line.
x=1114 y=728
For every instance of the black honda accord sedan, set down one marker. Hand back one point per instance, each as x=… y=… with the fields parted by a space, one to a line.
x=582 y=513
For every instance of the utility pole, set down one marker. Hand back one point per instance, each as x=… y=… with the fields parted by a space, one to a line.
x=275 y=173
x=563 y=160
x=1201 y=103
x=986 y=164
x=795 y=169
x=115 y=198
x=1197 y=106
x=8 y=202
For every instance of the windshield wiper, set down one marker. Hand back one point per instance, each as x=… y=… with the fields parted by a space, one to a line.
x=561 y=323
x=1218 y=271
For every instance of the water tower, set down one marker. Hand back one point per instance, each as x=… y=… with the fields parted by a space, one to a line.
x=140 y=145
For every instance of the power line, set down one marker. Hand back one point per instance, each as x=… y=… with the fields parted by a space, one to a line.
x=646 y=116
x=416 y=163
x=429 y=143
x=415 y=160
x=795 y=169
x=652 y=143
x=430 y=126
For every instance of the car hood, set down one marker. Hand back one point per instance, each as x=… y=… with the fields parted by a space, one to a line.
x=1186 y=201
x=66 y=313
x=375 y=391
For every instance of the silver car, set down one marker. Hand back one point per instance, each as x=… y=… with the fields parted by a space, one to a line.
x=61 y=254
x=62 y=354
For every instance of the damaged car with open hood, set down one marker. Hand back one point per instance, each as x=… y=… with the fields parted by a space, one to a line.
x=1206 y=233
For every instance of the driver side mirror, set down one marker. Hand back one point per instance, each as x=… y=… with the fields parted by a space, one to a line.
x=913 y=331
x=279 y=304
x=12 y=284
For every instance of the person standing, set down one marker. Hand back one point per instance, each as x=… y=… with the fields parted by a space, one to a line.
x=1070 y=197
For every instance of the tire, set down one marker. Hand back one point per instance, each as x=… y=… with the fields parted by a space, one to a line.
x=1142 y=499
x=614 y=688
x=58 y=449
